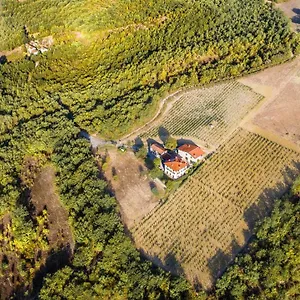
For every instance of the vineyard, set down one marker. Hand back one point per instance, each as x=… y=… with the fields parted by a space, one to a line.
x=204 y=224
x=209 y=114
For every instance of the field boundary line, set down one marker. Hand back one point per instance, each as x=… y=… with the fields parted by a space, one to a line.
x=273 y=137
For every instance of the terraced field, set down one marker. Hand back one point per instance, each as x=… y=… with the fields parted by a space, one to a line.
x=209 y=114
x=207 y=221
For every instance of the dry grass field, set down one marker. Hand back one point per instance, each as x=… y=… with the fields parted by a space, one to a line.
x=130 y=185
x=280 y=112
x=207 y=221
x=208 y=114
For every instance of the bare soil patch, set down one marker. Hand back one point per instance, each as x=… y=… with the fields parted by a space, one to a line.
x=131 y=186
x=13 y=55
x=280 y=112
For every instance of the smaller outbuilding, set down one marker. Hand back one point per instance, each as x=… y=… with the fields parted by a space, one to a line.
x=157 y=150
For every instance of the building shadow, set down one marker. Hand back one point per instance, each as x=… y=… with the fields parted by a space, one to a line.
x=152 y=141
x=182 y=141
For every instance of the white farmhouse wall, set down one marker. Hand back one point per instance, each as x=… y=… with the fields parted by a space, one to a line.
x=188 y=157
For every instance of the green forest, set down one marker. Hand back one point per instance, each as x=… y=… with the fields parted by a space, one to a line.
x=110 y=64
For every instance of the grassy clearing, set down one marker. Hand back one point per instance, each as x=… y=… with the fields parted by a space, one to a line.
x=209 y=114
x=207 y=221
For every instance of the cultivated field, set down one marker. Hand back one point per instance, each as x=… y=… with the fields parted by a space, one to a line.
x=208 y=114
x=204 y=224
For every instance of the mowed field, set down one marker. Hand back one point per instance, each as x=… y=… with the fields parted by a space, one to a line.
x=207 y=221
x=207 y=114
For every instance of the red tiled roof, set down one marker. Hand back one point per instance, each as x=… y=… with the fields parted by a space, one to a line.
x=193 y=150
x=158 y=148
x=176 y=165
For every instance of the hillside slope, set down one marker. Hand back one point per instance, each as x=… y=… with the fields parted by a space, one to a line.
x=111 y=62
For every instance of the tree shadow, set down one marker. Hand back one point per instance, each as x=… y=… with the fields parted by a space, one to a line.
x=113 y=171
x=169 y=263
x=265 y=204
x=55 y=261
x=3 y=59
x=296 y=11
x=138 y=144
x=152 y=185
x=253 y=215
x=163 y=134
x=296 y=19
x=223 y=258
x=149 y=163
x=217 y=264
x=141 y=169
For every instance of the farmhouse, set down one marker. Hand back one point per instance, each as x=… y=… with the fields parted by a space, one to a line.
x=157 y=150
x=176 y=162
x=175 y=169
x=190 y=153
